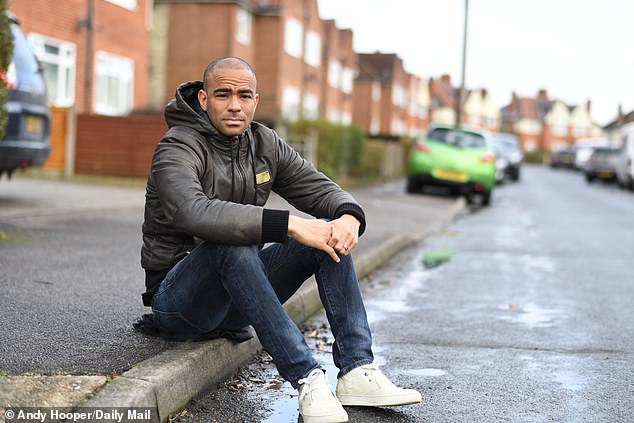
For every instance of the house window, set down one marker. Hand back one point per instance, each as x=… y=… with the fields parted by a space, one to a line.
x=313 y=49
x=243 y=20
x=311 y=106
x=58 y=64
x=293 y=37
x=376 y=91
x=334 y=73
x=290 y=103
x=334 y=115
x=375 y=126
x=114 y=79
x=128 y=4
x=347 y=80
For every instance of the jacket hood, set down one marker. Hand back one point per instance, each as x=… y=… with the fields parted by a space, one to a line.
x=184 y=110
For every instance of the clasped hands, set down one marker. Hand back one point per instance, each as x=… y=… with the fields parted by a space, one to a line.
x=339 y=236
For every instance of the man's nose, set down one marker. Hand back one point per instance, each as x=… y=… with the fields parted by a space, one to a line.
x=234 y=104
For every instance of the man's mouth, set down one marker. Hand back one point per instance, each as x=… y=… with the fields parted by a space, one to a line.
x=233 y=120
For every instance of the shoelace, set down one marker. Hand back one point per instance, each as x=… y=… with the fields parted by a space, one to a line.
x=372 y=371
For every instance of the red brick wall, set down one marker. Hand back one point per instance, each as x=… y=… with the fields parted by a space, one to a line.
x=117 y=146
x=117 y=30
x=362 y=111
x=268 y=49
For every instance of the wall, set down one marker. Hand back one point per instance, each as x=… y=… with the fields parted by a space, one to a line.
x=117 y=146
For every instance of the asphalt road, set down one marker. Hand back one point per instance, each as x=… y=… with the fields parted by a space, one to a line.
x=530 y=321
x=71 y=279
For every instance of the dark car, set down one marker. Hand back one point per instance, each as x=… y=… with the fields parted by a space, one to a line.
x=602 y=164
x=26 y=142
x=509 y=156
x=563 y=157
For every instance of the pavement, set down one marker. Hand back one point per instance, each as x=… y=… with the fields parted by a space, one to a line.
x=167 y=380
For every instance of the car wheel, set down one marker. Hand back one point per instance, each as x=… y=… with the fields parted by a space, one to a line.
x=486 y=197
x=515 y=176
x=413 y=186
x=589 y=178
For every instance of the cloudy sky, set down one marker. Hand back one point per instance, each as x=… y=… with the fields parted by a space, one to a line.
x=575 y=49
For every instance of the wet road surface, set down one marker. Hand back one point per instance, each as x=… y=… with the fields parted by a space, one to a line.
x=529 y=320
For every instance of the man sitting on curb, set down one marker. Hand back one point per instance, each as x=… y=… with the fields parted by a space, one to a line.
x=205 y=224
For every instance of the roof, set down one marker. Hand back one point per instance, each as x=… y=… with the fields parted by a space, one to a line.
x=442 y=93
x=377 y=66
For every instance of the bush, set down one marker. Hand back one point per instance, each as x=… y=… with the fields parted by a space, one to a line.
x=6 y=53
x=340 y=148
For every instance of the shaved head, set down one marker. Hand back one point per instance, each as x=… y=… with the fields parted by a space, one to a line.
x=226 y=63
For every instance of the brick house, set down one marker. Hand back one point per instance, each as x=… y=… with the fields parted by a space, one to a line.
x=94 y=53
x=544 y=124
x=366 y=109
x=281 y=39
x=418 y=106
x=387 y=71
x=479 y=111
x=443 y=99
x=613 y=129
x=338 y=66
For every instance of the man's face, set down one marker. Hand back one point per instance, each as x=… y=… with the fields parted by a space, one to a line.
x=230 y=99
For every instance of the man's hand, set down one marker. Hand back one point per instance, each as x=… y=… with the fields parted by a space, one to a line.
x=330 y=237
x=337 y=236
x=345 y=234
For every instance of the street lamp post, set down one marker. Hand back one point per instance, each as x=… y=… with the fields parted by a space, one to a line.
x=461 y=92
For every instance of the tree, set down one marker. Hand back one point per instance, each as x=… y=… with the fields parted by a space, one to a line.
x=6 y=53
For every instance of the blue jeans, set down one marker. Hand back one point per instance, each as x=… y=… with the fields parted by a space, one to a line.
x=229 y=287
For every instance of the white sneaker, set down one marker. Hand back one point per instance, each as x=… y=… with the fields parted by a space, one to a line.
x=317 y=403
x=368 y=386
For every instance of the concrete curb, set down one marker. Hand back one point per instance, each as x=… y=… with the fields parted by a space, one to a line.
x=169 y=380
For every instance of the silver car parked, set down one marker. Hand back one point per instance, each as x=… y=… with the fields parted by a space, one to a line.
x=625 y=160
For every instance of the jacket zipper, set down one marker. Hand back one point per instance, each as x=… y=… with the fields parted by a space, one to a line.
x=241 y=175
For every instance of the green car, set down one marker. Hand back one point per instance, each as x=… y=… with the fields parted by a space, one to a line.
x=460 y=159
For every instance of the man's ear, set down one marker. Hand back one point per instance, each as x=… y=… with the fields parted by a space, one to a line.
x=202 y=99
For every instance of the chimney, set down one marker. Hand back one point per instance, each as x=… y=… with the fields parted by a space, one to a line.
x=620 y=118
x=446 y=79
x=542 y=94
x=589 y=106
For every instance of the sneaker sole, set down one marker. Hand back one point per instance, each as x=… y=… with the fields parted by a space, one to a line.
x=382 y=401
x=333 y=418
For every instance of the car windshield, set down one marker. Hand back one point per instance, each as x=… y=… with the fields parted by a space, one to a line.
x=457 y=137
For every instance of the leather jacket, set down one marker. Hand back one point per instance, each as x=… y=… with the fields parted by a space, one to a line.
x=204 y=185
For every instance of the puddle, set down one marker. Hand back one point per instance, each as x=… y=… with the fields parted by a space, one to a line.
x=531 y=315
x=427 y=372
x=285 y=407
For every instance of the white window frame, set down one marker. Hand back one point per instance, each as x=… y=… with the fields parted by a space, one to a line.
x=334 y=73
x=293 y=34
x=290 y=102
x=119 y=69
x=347 y=80
x=126 y=4
x=65 y=62
x=311 y=106
x=312 y=55
x=243 y=25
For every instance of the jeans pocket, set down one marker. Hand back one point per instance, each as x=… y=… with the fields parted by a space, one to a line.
x=175 y=326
